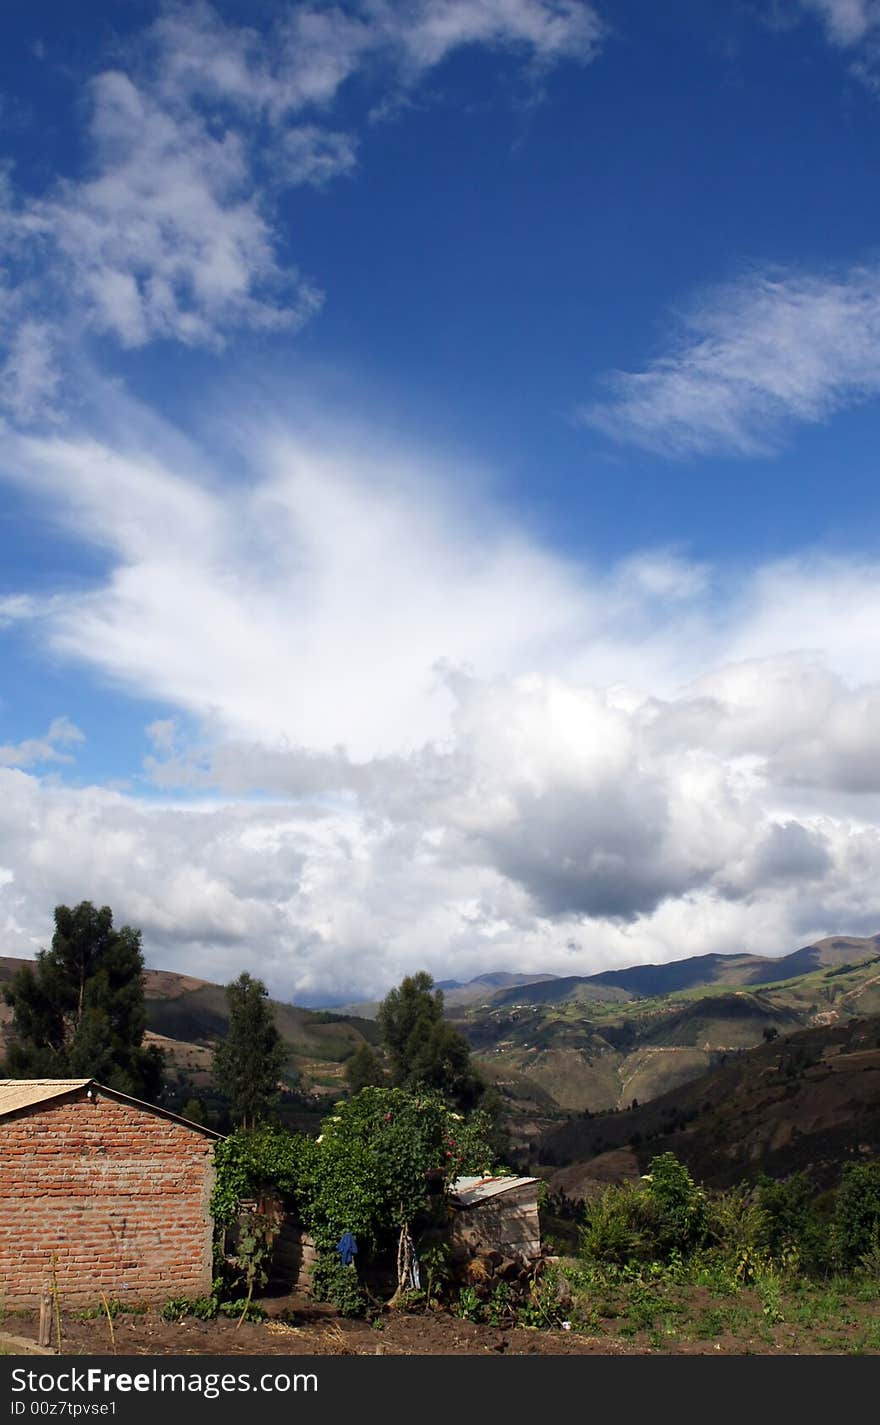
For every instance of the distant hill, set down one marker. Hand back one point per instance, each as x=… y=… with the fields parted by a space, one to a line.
x=555 y=1045
x=186 y=1016
x=594 y=1055
x=552 y=990
x=807 y=1102
x=739 y=969
x=644 y=981
x=457 y=992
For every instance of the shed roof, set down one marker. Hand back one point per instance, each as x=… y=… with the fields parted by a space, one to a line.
x=18 y=1094
x=24 y=1093
x=468 y=1191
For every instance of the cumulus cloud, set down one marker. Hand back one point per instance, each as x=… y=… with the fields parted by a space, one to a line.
x=407 y=734
x=328 y=898
x=750 y=360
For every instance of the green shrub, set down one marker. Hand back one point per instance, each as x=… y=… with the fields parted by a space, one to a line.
x=663 y=1218
x=339 y=1285
x=679 y=1206
x=738 y=1234
x=618 y=1226
x=855 y=1225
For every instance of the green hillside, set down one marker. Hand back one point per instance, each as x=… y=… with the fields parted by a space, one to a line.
x=556 y=1047
x=186 y=1016
x=602 y=1055
x=807 y=1102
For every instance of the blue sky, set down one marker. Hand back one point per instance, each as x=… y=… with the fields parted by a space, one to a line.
x=439 y=514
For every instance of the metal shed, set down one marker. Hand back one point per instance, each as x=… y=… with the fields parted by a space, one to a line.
x=495 y=1214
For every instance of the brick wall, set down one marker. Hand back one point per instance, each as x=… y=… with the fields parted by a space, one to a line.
x=119 y=1194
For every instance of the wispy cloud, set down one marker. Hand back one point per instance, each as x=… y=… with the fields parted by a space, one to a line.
x=847 y=22
x=852 y=26
x=751 y=359
x=308 y=154
x=312 y=50
x=29 y=372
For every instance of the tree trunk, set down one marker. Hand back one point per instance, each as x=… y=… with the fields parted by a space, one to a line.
x=406 y=1256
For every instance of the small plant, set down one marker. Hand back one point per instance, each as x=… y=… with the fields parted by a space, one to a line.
x=203 y=1308
x=869 y=1261
x=769 y=1289
x=434 y=1262
x=244 y=1309
x=542 y=1307
x=106 y=1305
x=498 y=1308
x=710 y=1324
x=469 y=1305
x=256 y=1238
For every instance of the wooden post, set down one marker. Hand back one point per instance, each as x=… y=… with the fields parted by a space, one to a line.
x=45 y=1330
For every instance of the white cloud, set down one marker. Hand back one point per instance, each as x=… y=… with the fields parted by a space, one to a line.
x=29 y=376
x=475 y=754
x=173 y=232
x=752 y=359
x=15 y=608
x=330 y=550
x=168 y=240
x=313 y=50
x=308 y=154
x=847 y=21
x=62 y=733
x=852 y=26
x=429 y=30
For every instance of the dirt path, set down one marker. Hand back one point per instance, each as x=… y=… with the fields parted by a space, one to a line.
x=300 y=1327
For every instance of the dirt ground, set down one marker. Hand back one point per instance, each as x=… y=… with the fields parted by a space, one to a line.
x=298 y=1326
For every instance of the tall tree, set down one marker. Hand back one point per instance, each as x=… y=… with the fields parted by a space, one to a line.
x=79 y=1010
x=364 y=1069
x=424 y=1048
x=249 y=1062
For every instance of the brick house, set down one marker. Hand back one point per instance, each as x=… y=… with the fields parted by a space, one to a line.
x=115 y=1190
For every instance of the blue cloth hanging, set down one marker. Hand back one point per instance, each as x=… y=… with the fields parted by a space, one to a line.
x=347 y=1247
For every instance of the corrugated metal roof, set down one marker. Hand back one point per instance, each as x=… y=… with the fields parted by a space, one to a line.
x=16 y=1094
x=24 y=1093
x=466 y=1192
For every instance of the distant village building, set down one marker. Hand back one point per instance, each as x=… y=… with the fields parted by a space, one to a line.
x=109 y=1193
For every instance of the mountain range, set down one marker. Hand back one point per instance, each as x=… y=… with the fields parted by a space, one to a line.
x=556 y=1047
